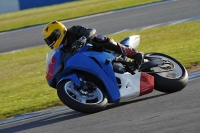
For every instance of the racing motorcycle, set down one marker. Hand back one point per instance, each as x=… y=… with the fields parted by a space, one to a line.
x=87 y=80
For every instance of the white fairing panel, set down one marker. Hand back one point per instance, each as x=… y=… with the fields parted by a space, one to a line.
x=131 y=41
x=130 y=84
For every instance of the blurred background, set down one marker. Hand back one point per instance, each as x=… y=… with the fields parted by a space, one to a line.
x=16 y=5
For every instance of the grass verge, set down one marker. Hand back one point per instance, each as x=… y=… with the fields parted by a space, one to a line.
x=64 y=11
x=23 y=87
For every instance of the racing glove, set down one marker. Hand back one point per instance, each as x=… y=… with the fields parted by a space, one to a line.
x=78 y=44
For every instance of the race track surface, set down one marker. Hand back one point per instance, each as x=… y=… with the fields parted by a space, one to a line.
x=153 y=113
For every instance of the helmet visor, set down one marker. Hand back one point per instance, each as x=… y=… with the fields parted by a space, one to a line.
x=53 y=38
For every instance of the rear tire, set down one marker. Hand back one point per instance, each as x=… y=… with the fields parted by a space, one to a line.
x=163 y=82
x=79 y=100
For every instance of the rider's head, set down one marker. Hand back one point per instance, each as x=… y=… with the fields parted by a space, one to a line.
x=54 y=33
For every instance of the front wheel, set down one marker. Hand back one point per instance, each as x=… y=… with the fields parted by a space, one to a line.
x=89 y=98
x=171 y=81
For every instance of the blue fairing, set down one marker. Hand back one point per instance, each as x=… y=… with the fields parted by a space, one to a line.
x=87 y=62
x=96 y=63
x=72 y=77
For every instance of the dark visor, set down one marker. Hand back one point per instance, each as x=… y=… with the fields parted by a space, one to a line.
x=53 y=38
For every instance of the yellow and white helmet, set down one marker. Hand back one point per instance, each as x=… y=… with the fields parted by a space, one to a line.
x=54 y=33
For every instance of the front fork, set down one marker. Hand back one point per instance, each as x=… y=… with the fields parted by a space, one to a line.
x=86 y=85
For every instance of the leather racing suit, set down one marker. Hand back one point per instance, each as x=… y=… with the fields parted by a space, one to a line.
x=99 y=42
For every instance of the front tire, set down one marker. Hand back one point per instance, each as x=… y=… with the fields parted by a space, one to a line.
x=81 y=100
x=171 y=81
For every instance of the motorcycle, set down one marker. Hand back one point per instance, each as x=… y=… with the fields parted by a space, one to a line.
x=87 y=80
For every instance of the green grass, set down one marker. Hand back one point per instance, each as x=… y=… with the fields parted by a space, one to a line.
x=23 y=87
x=64 y=11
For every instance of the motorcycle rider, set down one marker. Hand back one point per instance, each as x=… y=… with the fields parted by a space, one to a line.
x=55 y=34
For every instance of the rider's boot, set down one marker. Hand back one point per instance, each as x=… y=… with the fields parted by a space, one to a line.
x=133 y=54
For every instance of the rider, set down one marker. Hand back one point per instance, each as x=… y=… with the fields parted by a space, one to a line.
x=55 y=34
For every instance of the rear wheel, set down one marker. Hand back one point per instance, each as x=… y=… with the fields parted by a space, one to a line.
x=171 y=81
x=89 y=98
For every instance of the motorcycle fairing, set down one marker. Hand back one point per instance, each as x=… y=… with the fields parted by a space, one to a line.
x=100 y=65
x=135 y=85
x=96 y=64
